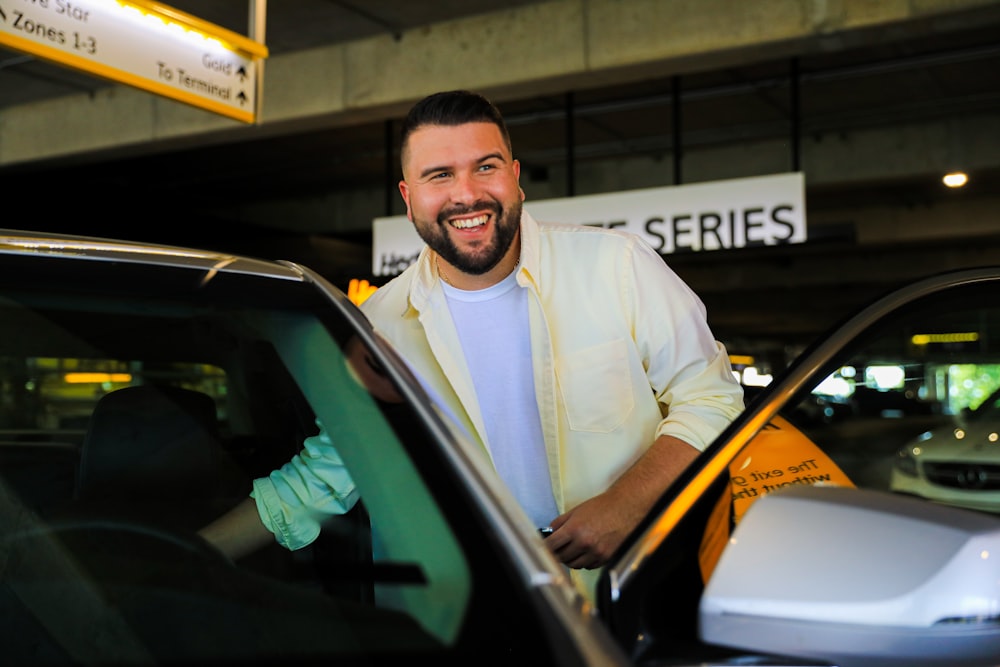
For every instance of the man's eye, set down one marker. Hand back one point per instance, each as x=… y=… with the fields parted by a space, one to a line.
x=487 y=167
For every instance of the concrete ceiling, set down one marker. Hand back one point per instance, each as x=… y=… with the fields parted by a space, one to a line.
x=291 y=25
x=939 y=76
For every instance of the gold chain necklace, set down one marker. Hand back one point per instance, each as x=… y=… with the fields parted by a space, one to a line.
x=437 y=263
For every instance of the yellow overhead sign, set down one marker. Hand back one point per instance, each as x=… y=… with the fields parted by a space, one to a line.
x=143 y=44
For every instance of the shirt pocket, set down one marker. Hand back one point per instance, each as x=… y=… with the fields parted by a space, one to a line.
x=596 y=387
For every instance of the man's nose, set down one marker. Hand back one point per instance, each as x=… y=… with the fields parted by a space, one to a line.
x=464 y=190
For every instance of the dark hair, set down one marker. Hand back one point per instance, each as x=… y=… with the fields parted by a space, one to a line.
x=455 y=107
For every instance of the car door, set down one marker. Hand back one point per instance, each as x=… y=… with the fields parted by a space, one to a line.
x=146 y=391
x=805 y=536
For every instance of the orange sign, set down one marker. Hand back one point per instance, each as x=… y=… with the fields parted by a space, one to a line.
x=359 y=290
x=779 y=456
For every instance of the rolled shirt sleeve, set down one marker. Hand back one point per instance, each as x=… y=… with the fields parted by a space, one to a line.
x=688 y=369
x=294 y=500
x=703 y=405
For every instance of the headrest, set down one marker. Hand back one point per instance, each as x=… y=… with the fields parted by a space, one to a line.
x=150 y=442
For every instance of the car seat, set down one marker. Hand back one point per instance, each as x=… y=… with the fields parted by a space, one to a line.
x=152 y=446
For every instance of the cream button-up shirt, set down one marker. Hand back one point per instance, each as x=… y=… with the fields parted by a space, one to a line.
x=621 y=347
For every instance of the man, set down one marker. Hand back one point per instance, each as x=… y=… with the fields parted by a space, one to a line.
x=581 y=363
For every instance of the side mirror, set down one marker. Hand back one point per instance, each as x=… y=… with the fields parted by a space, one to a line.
x=858 y=577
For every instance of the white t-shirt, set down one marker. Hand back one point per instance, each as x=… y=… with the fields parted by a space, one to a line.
x=492 y=326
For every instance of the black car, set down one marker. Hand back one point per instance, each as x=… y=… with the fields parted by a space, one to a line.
x=143 y=388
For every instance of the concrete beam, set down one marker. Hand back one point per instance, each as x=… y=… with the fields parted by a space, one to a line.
x=849 y=159
x=540 y=48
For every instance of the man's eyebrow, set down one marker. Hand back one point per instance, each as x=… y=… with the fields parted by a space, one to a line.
x=492 y=156
x=432 y=170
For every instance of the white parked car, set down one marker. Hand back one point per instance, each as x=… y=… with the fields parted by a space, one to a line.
x=957 y=463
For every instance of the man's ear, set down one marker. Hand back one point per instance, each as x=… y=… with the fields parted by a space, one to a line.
x=516 y=164
x=404 y=190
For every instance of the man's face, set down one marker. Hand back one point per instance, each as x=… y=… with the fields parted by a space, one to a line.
x=460 y=185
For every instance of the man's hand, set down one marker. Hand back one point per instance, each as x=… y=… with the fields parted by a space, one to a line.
x=588 y=535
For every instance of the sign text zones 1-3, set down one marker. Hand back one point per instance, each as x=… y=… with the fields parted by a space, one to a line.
x=142 y=44
x=715 y=215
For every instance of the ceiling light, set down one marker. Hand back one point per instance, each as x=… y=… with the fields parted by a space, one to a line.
x=955 y=179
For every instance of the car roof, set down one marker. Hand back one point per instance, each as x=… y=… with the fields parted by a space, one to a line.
x=19 y=242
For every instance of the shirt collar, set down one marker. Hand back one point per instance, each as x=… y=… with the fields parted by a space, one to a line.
x=530 y=261
x=425 y=279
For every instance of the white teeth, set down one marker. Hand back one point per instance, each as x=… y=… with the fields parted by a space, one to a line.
x=470 y=222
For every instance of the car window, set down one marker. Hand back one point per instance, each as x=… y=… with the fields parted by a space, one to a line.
x=903 y=401
x=912 y=410
x=138 y=403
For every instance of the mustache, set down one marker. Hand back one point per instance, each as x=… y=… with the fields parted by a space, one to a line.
x=471 y=208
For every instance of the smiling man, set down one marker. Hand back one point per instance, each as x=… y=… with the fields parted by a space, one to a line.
x=579 y=360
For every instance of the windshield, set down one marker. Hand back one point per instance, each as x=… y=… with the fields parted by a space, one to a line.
x=140 y=402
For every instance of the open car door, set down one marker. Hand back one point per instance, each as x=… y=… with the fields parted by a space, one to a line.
x=790 y=540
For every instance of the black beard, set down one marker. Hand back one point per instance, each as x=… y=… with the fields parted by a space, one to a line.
x=508 y=222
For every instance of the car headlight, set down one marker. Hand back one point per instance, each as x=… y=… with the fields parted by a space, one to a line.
x=906 y=462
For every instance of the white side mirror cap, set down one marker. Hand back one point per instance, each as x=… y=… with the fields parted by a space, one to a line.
x=858 y=577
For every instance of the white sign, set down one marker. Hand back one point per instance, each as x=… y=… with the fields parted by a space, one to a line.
x=142 y=44
x=740 y=213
